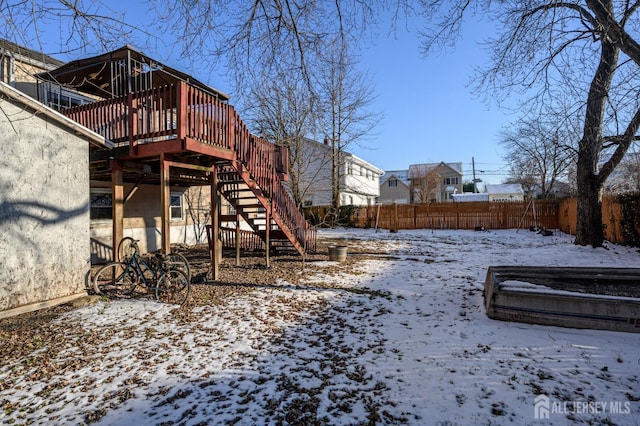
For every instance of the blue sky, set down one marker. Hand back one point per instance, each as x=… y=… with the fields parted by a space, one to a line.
x=430 y=112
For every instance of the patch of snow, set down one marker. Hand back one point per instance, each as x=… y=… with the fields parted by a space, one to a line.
x=399 y=339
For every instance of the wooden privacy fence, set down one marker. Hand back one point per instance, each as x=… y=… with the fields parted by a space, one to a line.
x=488 y=215
x=612 y=218
x=620 y=216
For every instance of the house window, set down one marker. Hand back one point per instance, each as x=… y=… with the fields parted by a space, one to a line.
x=393 y=182
x=101 y=205
x=361 y=171
x=308 y=203
x=175 y=209
x=60 y=100
x=349 y=169
x=451 y=181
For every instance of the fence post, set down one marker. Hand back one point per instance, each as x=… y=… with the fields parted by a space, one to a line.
x=395 y=217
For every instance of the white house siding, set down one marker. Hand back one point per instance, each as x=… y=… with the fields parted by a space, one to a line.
x=315 y=181
x=359 y=190
x=44 y=208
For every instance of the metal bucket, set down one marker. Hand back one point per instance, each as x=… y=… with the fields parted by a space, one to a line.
x=338 y=253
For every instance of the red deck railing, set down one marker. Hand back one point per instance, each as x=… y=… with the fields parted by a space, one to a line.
x=182 y=111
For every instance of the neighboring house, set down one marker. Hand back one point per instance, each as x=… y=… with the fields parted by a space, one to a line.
x=435 y=182
x=395 y=187
x=505 y=192
x=18 y=67
x=359 y=180
x=44 y=204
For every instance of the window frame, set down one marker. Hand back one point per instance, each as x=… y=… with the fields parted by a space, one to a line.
x=180 y=197
x=452 y=180
x=102 y=192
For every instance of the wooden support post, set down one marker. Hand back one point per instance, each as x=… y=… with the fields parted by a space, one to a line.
x=165 y=203
x=237 y=239
x=132 y=124
x=215 y=226
x=266 y=239
x=117 y=206
x=182 y=119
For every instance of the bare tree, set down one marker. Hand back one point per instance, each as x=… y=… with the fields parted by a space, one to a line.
x=626 y=177
x=67 y=26
x=538 y=154
x=345 y=95
x=425 y=183
x=283 y=111
x=198 y=200
x=585 y=50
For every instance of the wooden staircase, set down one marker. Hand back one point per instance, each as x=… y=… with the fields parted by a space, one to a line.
x=253 y=185
x=198 y=131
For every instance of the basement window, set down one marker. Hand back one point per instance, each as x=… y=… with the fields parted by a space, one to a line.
x=101 y=204
x=176 y=211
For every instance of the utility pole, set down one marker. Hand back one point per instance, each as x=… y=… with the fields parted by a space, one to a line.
x=473 y=166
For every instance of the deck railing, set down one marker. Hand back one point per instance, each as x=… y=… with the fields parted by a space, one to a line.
x=183 y=111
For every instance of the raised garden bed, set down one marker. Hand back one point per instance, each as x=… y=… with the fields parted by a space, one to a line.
x=596 y=298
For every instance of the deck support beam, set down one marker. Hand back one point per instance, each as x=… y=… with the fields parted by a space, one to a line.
x=266 y=235
x=165 y=202
x=216 y=248
x=117 y=206
x=237 y=239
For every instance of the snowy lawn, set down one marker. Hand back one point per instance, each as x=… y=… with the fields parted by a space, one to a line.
x=396 y=335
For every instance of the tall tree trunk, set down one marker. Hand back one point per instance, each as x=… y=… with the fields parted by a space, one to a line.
x=589 y=183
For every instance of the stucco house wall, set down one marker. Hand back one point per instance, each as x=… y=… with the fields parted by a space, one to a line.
x=44 y=204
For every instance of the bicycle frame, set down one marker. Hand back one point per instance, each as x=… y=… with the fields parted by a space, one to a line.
x=137 y=262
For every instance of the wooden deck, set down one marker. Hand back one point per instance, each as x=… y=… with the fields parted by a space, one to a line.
x=197 y=133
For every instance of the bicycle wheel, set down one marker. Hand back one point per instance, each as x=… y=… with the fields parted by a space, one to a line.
x=116 y=279
x=173 y=287
x=126 y=248
x=178 y=261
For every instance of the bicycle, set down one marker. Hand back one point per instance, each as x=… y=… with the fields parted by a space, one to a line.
x=160 y=274
x=128 y=246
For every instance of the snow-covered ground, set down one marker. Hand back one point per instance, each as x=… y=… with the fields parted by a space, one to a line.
x=390 y=339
